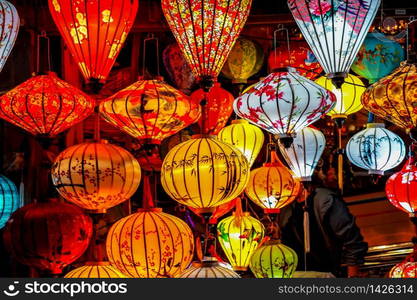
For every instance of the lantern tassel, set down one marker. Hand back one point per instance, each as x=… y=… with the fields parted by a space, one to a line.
x=148 y=201
x=340 y=161
x=306 y=224
x=238 y=212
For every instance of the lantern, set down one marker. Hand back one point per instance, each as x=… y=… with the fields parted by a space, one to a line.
x=9 y=26
x=150 y=244
x=334 y=30
x=206 y=31
x=239 y=236
x=45 y=105
x=245 y=137
x=245 y=60
x=375 y=149
x=305 y=152
x=209 y=268
x=94 y=31
x=377 y=57
x=101 y=269
x=217 y=110
x=405 y=269
x=272 y=186
x=204 y=173
x=9 y=199
x=48 y=236
x=96 y=176
x=273 y=260
x=150 y=110
x=284 y=103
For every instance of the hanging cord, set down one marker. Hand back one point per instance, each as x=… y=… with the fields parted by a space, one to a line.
x=306 y=225
x=340 y=152
x=270 y=147
x=150 y=37
x=40 y=36
x=280 y=28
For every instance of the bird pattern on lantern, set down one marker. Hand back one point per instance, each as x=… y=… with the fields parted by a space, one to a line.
x=9 y=28
x=96 y=269
x=208 y=268
x=9 y=199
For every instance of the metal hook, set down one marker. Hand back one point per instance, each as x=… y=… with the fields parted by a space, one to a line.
x=150 y=37
x=48 y=45
x=280 y=28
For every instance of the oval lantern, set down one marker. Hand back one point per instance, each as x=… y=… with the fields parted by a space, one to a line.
x=376 y=149
x=9 y=27
x=94 y=31
x=48 y=236
x=305 y=152
x=150 y=110
x=284 y=103
x=209 y=268
x=95 y=269
x=273 y=260
x=245 y=137
x=217 y=110
x=150 y=244
x=9 y=199
x=377 y=57
x=334 y=30
x=45 y=105
x=405 y=269
x=204 y=173
x=96 y=176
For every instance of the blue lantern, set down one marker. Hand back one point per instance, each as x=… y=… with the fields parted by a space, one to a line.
x=377 y=57
x=9 y=199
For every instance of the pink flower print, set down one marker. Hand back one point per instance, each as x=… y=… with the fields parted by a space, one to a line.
x=320 y=7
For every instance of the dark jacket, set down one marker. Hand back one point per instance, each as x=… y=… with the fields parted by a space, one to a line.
x=335 y=237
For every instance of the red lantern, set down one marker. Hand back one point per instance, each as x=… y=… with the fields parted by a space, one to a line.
x=94 y=31
x=218 y=108
x=48 y=236
x=45 y=105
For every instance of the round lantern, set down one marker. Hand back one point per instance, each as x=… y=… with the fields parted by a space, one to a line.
x=45 y=105
x=101 y=269
x=150 y=110
x=9 y=27
x=272 y=186
x=377 y=57
x=375 y=149
x=94 y=31
x=245 y=137
x=209 y=268
x=273 y=260
x=334 y=30
x=405 y=269
x=150 y=244
x=284 y=103
x=239 y=236
x=305 y=152
x=48 y=236
x=204 y=173
x=245 y=60
x=96 y=176
x=9 y=199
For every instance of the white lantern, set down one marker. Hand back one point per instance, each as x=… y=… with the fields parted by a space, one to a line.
x=208 y=268
x=9 y=26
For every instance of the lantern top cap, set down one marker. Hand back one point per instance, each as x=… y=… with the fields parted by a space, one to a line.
x=97 y=263
x=285 y=69
x=375 y=125
x=245 y=214
x=151 y=209
x=145 y=78
x=240 y=121
x=203 y=136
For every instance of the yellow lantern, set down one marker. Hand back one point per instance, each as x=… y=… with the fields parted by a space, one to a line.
x=95 y=269
x=204 y=172
x=208 y=268
x=245 y=137
x=150 y=244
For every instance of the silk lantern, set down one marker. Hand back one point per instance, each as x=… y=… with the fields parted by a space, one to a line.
x=48 y=236
x=334 y=30
x=94 y=32
x=273 y=260
x=95 y=269
x=405 y=269
x=96 y=176
x=209 y=268
x=45 y=105
x=305 y=152
x=9 y=27
x=9 y=199
x=150 y=244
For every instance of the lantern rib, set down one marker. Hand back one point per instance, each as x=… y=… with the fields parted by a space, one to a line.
x=260 y=202
x=387 y=159
x=361 y=138
x=404 y=87
x=182 y=241
x=92 y=74
x=194 y=35
x=262 y=107
x=157 y=110
x=212 y=31
x=230 y=245
x=184 y=172
x=212 y=175
x=157 y=227
x=53 y=125
x=110 y=157
x=132 y=219
x=295 y=127
x=329 y=54
x=374 y=151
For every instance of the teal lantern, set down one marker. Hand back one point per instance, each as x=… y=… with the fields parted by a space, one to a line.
x=9 y=199
x=377 y=57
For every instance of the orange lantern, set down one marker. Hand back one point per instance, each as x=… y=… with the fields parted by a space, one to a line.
x=95 y=269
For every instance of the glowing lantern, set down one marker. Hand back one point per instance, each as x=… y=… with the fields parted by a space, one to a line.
x=9 y=199
x=273 y=260
x=284 y=103
x=405 y=269
x=245 y=137
x=150 y=244
x=204 y=173
x=101 y=269
x=9 y=27
x=377 y=57
x=96 y=176
x=334 y=30
x=272 y=186
x=376 y=149
x=45 y=105
x=206 y=31
x=209 y=268
x=305 y=152
x=48 y=236
x=94 y=31
x=150 y=110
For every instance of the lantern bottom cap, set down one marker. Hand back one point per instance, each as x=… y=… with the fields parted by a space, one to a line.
x=149 y=209
x=97 y=211
x=204 y=210
x=97 y=263
x=271 y=210
x=375 y=172
x=304 y=178
x=242 y=269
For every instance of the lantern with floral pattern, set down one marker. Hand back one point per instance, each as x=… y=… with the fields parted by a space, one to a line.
x=9 y=27
x=95 y=269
